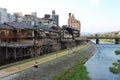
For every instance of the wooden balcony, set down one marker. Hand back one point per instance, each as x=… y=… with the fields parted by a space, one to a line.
x=22 y=36
x=7 y=37
x=25 y=36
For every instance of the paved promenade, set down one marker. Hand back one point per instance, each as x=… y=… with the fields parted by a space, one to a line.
x=26 y=65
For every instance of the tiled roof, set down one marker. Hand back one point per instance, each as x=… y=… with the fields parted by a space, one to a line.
x=25 y=26
x=3 y=26
x=19 y=25
x=46 y=28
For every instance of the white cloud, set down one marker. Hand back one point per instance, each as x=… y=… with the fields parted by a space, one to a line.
x=95 y=2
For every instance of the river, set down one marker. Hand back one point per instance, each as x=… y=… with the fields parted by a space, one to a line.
x=98 y=65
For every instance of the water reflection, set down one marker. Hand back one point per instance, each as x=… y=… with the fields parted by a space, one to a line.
x=98 y=65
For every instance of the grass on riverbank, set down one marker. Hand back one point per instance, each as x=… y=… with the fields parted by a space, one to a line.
x=77 y=72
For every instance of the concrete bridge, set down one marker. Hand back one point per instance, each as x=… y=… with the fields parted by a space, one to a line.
x=117 y=39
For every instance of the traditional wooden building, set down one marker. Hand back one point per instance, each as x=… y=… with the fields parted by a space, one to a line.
x=7 y=33
x=18 y=40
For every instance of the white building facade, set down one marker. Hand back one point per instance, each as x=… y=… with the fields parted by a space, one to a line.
x=11 y=18
x=3 y=15
x=18 y=17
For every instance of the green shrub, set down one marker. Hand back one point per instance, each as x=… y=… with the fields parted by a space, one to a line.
x=118 y=60
x=114 y=70
x=117 y=52
x=116 y=64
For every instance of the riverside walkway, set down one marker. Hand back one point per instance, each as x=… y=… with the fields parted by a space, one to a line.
x=20 y=67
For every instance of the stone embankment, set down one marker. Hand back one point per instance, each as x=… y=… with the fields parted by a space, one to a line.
x=50 y=69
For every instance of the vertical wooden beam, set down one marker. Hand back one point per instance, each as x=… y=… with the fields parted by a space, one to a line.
x=26 y=51
x=15 y=53
x=23 y=51
x=6 y=53
x=17 y=34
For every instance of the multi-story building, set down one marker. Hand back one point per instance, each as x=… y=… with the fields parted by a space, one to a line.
x=3 y=15
x=73 y=22
x=11 y=18
x=55 y=17
x=31 y=19
x=18 y=17
x=47 y=22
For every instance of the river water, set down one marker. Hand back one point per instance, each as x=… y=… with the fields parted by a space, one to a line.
x=98 y=65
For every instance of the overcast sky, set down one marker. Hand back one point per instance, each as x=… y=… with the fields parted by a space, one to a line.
x=94 y=15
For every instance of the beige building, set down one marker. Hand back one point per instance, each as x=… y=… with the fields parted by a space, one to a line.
x=73 y=22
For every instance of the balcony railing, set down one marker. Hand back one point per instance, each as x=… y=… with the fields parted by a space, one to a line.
x=7 y=36
x=15 y=44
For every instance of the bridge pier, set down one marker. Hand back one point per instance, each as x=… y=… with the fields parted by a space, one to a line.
x=97 y=41
x=117 y=41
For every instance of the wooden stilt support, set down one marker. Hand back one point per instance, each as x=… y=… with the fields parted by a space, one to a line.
x=6 y=53
x=15 y=53
x=23 y=49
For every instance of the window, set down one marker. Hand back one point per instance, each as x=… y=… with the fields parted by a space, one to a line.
x=2 y=33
